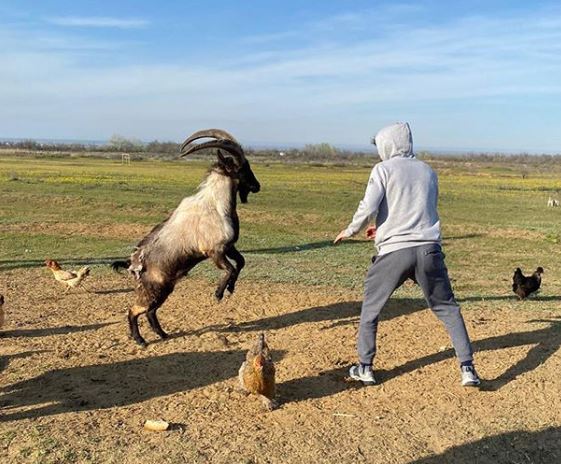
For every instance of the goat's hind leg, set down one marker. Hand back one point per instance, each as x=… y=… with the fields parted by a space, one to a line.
x=155 y=324
x=161 y=293
x=222 y=263
x=234 y=254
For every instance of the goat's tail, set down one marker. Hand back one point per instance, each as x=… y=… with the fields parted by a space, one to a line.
x=123 y=264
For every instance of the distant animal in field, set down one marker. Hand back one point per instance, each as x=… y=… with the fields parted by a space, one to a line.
x=1 y=310
x=204 y=225
x=552 y=202
x=71 y=279
x=257 y=373
x=523 y=285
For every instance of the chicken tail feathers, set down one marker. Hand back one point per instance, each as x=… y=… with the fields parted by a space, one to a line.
x=84 y=272
x=518 y=278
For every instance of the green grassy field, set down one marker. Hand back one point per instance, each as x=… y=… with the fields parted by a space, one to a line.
x=94 y=210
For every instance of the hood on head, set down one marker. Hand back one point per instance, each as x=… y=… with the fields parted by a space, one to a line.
x=395 y=140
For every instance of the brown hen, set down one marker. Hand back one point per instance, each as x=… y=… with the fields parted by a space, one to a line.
x=257 y=373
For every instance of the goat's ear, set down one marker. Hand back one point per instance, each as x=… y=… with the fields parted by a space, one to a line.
x=227 y=163
x=221 y=157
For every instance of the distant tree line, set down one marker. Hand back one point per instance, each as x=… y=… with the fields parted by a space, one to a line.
x=322 y=152
x=156 y=148
x=522 y=158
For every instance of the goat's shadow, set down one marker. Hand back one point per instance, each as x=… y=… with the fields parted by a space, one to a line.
x=542 y=446
x=102 y=386
x=336 y=314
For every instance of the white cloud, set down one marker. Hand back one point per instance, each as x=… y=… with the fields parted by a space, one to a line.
x=93 y=21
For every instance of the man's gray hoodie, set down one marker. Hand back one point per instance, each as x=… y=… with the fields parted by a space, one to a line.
x=402 y=195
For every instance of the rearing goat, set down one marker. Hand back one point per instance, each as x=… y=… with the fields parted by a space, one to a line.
x=204 y=225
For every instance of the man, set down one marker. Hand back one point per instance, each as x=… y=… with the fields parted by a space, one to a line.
x=402 y=195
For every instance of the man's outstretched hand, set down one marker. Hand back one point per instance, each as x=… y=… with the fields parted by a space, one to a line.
x=371 y=232
x=342 y=236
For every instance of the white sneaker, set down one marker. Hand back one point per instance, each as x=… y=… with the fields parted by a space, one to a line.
x=362 y=373
x=469 y=376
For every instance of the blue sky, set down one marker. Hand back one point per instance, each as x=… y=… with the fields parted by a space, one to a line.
x=479 y=75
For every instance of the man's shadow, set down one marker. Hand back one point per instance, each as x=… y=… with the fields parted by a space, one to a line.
x=544 y=343
x=547 y=341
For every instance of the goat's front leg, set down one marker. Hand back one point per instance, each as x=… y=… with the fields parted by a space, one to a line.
x=234 y=254
x=222 y=263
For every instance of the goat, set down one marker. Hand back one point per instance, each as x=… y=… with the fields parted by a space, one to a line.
x=204 y=225
x=552 y=202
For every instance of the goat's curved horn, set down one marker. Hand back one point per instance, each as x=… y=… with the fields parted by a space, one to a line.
x=214 y=133
x=233 y=148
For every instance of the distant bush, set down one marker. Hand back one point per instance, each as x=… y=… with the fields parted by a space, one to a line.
x=120 y=143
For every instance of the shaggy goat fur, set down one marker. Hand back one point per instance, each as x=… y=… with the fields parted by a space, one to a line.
x=203 y=226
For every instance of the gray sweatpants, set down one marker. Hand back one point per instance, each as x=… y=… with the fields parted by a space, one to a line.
x=425 y=264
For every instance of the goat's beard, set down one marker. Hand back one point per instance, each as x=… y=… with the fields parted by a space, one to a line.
x=244 y=193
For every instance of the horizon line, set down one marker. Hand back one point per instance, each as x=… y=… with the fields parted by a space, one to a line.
x=299 y=145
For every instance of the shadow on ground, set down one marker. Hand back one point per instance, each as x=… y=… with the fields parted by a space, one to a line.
x=48 y=331
x=107 y=385
x=329 y=243
x=6 y=265
x=336 y=314
x=305 y=247
x=461 y=237
x=540 y=447
x=543 y=342
x=327 y=383
x=512 y=297
x=5 y=359
x=112 y=291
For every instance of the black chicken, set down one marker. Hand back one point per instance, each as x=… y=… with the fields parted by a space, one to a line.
x=523 y=286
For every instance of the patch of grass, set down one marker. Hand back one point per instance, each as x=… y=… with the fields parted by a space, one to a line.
x=493 y=219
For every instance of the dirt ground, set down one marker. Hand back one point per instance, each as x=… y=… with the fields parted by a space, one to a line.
x=75 y=388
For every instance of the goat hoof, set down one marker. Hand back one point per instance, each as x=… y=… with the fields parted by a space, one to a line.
x=163 y=335
x=218 y=296
x=141 y=343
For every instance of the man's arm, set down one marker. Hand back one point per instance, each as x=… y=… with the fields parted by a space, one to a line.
x=368 y=206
